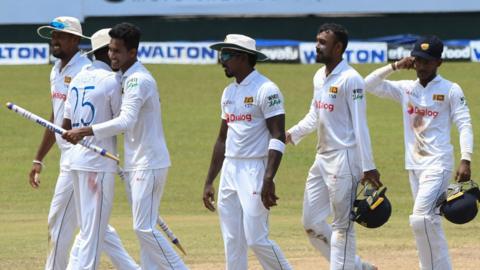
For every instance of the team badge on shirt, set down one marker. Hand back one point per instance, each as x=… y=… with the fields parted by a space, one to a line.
x=333 y=89
x=438 y=97
x=67 y=79
x=248 y=101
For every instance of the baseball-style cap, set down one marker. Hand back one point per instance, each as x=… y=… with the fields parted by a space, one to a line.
x=239 y=43
x=100 y=39
x=65 y=24
x=429 y=47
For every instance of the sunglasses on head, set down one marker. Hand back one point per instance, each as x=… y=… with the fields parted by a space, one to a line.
x=57 y=25
x=227 y=55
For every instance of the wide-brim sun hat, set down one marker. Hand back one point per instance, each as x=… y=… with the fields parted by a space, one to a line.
x=64 y=24
x=100 y=39
x=239 y=42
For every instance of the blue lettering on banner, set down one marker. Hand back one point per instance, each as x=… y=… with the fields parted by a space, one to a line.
x=365 y=56
x=23 y=53
x=477 y=53
x=176 y=53
x=310 y=56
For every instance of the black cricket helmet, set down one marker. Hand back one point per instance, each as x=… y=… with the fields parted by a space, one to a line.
x=459 y=204
x=373 y=210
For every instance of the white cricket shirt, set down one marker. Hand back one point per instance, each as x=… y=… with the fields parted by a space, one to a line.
x=338 y=114
x=141 y=120
x=245 y=107
x=428 y=113
x=59 y=82
x=94 y=96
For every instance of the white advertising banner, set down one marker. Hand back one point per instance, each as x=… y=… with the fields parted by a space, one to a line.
x=269 y=7
x=475 y=50
x=38 y=11
x=356 y=52
x=176 y=53
x=23 y=53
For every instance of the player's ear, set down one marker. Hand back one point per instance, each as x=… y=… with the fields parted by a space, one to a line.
x=132 y=53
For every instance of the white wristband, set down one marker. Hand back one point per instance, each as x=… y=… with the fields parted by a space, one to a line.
x=466 y=156
x=277 y=145
x=35 y=161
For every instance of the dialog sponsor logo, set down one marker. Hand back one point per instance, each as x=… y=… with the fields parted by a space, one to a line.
x=58 y=95
x=421 y=111
x=324 y=106
x=230 y=117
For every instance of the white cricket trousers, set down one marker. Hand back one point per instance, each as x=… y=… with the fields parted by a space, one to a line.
x=243 y=218
x=330 y=188
x=426 y=223
x=62 y=223
x=146 y=189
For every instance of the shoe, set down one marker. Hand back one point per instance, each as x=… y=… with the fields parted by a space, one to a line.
x=368 y=266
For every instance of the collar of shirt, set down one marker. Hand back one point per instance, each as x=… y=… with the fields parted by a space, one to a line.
x=72 y=61
x=341 y=66
x=435 y=80
x=248 y=79
x=101 y=65
x=131 y=70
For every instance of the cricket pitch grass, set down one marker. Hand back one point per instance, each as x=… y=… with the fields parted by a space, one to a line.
x=190 y=98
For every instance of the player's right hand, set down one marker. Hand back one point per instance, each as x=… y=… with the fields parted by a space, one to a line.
x=34 y=176
x=406 y=63
x=372 y=177
x=288 y=138
x=209 y=197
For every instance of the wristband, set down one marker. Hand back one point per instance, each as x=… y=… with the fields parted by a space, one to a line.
x=277 y=145
x=35 y=161
x=394 y=66
x=466 y=156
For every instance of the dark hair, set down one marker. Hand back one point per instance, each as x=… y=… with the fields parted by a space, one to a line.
x=129 y=33
x=341 y=34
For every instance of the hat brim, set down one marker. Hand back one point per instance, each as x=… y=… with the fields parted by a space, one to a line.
x=224 y=45
x=46 y=32
x=424 y=55
x=95 y=49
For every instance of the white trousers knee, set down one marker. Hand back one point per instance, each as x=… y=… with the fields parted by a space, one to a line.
x=146 y=190
x=243 y=218
x=432 y=247
x=330 y=188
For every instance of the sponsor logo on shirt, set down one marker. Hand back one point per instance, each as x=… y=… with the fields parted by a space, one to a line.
x=67 y=79
x=228 y=102
x=273 y=100
x=411 y=93
x=324 y=106
x=421 y=111
x=239 y=117
x=357 y=94
x=438 y=97
x=58 y=95
x=132 y=83
x=248 y=101
x=463 y=101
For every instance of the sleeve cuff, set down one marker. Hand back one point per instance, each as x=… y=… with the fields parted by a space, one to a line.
x=466 y=156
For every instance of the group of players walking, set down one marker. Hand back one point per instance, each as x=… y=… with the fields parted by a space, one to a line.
x=114 y=93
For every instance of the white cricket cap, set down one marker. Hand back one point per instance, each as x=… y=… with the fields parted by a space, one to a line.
x=65 y=24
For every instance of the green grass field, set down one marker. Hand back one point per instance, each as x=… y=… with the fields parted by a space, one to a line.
x=190 y=99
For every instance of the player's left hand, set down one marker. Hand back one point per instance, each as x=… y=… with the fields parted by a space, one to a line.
x=269 y=198
x=72 y=136
x=373 y=177
x=463 y=172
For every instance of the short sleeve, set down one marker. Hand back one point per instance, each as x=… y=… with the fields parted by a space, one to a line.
x=271 y=101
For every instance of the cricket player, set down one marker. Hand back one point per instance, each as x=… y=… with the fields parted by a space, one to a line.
x=94 y=96
x=344 y=155
x=65 y=34
x=248 y=151
x=146 y=156
x=430 y=104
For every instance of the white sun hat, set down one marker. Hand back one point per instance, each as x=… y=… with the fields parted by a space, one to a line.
x=65 y=24
x=100 y=39
x=240 y=43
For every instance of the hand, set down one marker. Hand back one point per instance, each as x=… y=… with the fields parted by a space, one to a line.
x=34 y=175
x=72 y=136
x=209 y=197
x=269 y=198
x=288 y=138
x=406 y=63
x=372 y=177
x=463 y=172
